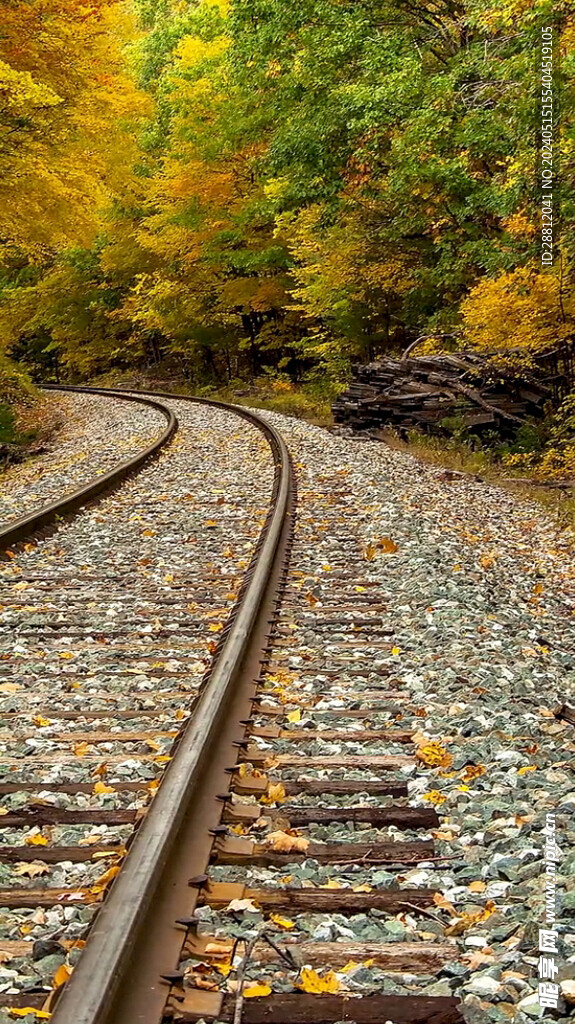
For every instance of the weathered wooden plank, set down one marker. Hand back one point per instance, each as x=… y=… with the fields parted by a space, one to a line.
x=330 y=901
x=235 y=850
x=300 y=1008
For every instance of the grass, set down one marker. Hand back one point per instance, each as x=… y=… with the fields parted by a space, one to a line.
x=484 y=463
x=271 y=394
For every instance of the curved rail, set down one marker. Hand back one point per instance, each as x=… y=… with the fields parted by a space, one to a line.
x=23 y=527
x=107 y=959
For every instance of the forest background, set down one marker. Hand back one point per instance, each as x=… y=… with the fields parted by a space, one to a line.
x=264 y=191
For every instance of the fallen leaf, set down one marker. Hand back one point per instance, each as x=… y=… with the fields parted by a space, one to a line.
x=40 y=721
x=444 y=904
x=10 y=687
x=527 y=768
x=81 y=749
x=275 y=794
x=434 y=797
x=434 y=755
x=61 y=976
x=257 y=989
x=243 y=905
x=37 y=840
x=473 y=771
x=282 y=922
x=103 y=881
x=23 y=1011
x=294 y=716
x=477 y=886
x=387 y=545
x=32 y=869
x=285 y=843
x=101 y=787
x=311 y=982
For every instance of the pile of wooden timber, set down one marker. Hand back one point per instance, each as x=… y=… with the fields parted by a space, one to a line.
x=461 y=389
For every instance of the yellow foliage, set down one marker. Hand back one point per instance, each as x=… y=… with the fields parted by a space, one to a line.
x=522 y=309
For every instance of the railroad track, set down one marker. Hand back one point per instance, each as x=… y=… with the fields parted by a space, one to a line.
x=279 y=872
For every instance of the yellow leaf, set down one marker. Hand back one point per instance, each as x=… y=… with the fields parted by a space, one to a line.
x=258 y=988
x=36 y=840
x=332 y=884
x=435 y=797
x=352 y=964
x=148 y=533
x=285 y=843
x=388 y=545
x=40 y=722
x=104 y=879
x=61 y=976
x=66 y=655
x=23 y=1011
x=311 y=982
x=282 y=922
x=294 y=716
x=10 y=687
x=81 y=749
x=275 y=794
x=488 y=561
x=434 y=755
x=477 y=886
x=370 y=551
x=527 y=768
x=396 y=650
x=216 y=627
x=101 y=787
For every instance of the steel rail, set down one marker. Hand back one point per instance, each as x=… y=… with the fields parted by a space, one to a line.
x=27 y=525
x=106 y=961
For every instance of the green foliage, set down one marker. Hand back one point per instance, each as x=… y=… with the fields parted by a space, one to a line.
x=317 y=182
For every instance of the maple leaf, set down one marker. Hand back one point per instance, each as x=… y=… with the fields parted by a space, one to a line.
x=36 y=840
x=434 y=797
x=312 y=983
x=283 y=842
x=275 y=794
x=32 y=869
x=434 y=755
x=40 y=721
